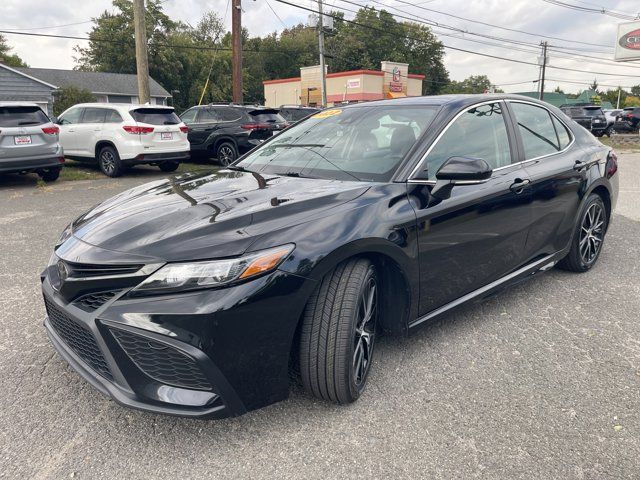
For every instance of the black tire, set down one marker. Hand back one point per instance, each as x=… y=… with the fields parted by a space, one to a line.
x=334 y=329
x=50 y=174
x=109 y=162
x=588 y=237
x=169 y=166
x=226 y=153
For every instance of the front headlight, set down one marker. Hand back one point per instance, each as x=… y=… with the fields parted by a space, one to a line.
x=197 y=275
x=64 y=236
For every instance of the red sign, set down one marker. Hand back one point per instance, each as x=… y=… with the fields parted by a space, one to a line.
x=631 y=40
x=395 y=87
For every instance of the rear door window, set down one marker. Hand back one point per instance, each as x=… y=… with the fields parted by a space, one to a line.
x=17 y=116
x=155 y=116
x=93 y=115
x=189 y=116
x=207 y=115
x=536 y=128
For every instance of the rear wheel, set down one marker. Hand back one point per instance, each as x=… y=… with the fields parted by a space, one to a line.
x=169 y=166
x=226 y=153
x=588 y=237
x=109 y=162
x=50 y=174
x=338 y=332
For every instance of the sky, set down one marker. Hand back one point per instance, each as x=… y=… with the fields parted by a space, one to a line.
x=534 y=16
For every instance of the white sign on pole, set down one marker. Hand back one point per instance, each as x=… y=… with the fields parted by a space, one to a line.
x=628 y=42
x=353 y=83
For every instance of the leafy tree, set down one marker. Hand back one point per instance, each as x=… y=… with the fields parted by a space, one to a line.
x=594 y=85
x=611 y=96
x=472 y=84
x=632 y=101
x=558 y=90
x=66 y=97
x=11 y=60
x=635 y=90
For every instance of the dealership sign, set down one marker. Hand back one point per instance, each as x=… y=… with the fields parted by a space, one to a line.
x=628 y=43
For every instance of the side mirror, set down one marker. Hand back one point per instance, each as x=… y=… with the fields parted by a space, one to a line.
x=462 y=171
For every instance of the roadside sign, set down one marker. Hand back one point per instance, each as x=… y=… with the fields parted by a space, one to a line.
x=628 y=42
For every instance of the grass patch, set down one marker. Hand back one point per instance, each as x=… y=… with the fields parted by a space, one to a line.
x=73 y=171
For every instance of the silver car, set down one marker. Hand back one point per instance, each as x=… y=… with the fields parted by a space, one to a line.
x=29 y=141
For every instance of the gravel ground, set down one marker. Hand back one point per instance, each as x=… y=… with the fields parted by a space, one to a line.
x=542 y=381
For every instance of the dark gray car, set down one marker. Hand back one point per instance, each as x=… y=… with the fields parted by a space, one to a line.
x=29 y=141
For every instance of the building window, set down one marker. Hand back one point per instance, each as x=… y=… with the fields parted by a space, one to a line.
x=119 y=99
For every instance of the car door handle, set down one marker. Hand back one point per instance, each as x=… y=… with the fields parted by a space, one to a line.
x=519 y=185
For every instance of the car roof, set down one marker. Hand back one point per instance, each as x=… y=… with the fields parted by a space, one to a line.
x=19 y=104
x=126 y=106
x=457 y=100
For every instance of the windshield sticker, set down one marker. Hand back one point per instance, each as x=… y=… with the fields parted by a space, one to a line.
x=328 y=113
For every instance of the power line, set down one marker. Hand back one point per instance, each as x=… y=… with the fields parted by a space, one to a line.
x=50 y=26
x=599 y=10
x=277 y=16
x=120 y=42
x=385 y=32
x=514 y=30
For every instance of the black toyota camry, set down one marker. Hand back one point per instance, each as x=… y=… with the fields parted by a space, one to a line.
x=199 y=294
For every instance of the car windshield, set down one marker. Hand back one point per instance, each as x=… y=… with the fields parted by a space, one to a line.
x=156 y=116
x=359 y=143
x=21 y=116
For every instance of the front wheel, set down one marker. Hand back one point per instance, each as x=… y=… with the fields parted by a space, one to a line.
x=109 y=162
x=338 y=332
x=588 y=237
x=169 y=166
x=50 y=174
x=226 y=153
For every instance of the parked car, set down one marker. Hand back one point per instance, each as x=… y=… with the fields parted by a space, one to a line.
x=193 y=296
x=227 y=131
x=611 y=116
x=294 y=113
x=121 y=135
x=628 y=120
x=590 y=117
x=29 y=141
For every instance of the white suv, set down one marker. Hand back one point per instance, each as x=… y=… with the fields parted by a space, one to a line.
x=118 y=135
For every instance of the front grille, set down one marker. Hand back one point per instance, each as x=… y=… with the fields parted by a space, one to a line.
x=78 y=338
x=161 y=362
x=85 y=270
x=93 y=301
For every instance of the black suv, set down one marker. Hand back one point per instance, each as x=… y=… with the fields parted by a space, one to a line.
x=590 y=117
x=229 y=130
x=628 y=120
x=295 y=113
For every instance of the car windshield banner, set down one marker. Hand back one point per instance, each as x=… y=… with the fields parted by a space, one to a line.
x=628 y=43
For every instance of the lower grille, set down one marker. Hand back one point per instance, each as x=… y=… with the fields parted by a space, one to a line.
x=161 y=362
x=78 y=338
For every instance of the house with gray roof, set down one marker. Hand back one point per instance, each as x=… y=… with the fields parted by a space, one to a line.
x=38 y=85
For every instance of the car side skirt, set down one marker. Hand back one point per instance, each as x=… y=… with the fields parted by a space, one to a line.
x=543 y=264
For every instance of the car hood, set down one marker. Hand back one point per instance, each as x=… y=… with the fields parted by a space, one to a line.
x=201 y=216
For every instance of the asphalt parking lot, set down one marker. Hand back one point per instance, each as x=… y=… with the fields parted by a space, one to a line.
x=542 y=381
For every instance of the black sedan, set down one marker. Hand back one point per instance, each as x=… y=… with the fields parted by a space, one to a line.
x=198 y=295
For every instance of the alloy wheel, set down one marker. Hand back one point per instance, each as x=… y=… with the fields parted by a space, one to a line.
x=365 y=331
x=225 y=155
x=108 y=161
x=592 y=233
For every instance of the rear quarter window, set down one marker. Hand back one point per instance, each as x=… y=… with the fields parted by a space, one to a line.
x=266 y=117
x=21 y=116
x=155 y=116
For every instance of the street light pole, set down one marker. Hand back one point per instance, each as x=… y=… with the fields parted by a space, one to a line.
x=323 y=73
x=544 y=69
x=236 y=46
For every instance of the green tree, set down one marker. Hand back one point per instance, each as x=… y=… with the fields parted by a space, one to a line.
x=11 y=60
x=611 y=96
x=66 y=97
x=472 y=84
x=558 y=90
x=635 y=90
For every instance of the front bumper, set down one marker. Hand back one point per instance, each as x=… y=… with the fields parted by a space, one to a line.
x=233 y=346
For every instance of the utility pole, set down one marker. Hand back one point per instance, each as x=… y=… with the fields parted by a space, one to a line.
x=544 y=69
x=619 y=92
x=323 y=72
x=236 y=45
x=142 y=62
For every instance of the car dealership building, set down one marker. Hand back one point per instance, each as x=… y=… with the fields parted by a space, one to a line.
x=393 y=80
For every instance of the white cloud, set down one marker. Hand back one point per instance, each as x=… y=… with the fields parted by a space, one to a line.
x=530 y=15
